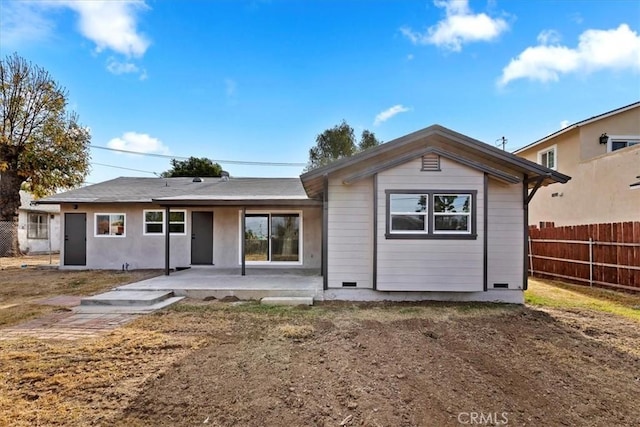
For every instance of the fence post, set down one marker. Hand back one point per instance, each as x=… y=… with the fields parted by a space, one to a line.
x=530 y=257
x=590 y=261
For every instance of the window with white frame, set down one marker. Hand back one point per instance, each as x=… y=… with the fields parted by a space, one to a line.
x=431 y=214
x=548 y=157
x=618 y=142
x=110 y=225
x=408 y=213
x=38 y=226
x=154 y=222
x=452 y=213
x=273 y=237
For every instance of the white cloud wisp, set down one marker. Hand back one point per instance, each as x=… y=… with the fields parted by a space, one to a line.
x=616 y=49
x=138 y=142
x=388 y=113
x=459 y=27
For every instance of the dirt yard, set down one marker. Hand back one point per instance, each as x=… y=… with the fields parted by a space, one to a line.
x=433 y=364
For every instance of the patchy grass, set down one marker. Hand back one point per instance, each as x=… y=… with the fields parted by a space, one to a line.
x=55 y=383
x=565 y=296
x=22 y=288
x=296 y=331
x=29 y=261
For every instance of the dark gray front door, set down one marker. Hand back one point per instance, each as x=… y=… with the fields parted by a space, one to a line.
x=75 y=239
x=202 y=238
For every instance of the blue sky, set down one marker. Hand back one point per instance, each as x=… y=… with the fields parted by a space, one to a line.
x=258 y=80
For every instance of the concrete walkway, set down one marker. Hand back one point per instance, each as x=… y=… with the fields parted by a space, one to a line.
x=67 y=325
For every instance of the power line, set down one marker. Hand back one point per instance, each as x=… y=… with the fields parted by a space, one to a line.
x=233 y=162
x=122 y=167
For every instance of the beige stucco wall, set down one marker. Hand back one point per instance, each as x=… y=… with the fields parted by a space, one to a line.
x=144 y=251
x=27 y=245
x=598 y=191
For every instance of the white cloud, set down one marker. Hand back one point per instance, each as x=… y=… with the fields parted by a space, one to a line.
x=22 y=22
x=410 y=57
x=564 y=124
x=116 y=67
x=390 y=112
x=617 y=49
x=549 y=37
x=460 y=26
x=138 y=142
x=111 y=24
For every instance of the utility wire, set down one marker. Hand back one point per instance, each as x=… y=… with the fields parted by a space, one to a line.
x=233 y=162
x=122 y=167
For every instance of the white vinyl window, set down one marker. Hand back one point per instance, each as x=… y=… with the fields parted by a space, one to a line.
x=38 y=226
x=408 y=213
x=548 y=157
x=154 y=222
x=452 y=213
x=110 y=225
x=431 y=214
x=618 y=142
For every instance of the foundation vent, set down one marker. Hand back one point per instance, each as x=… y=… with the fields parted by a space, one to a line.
x=501 y=285
x=349 y=284
x=431 y=162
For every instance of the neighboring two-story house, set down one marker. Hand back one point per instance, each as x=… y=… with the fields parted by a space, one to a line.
x=602 y=155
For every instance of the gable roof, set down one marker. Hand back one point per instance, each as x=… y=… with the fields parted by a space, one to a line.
x=578 y=124
x=500 y=164
x=184 y=191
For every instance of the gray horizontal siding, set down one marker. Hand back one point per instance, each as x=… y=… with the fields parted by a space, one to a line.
x=430 y=265
x=350 y=239
x=505 y=238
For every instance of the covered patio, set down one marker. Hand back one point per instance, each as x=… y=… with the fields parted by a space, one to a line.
x=209 y=282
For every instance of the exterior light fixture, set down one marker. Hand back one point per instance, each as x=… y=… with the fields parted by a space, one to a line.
x=604 y=138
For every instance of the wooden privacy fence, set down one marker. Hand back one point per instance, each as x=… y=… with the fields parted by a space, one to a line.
x=596 y=254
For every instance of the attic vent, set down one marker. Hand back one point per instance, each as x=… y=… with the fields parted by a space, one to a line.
x=431 y=162
x=197 y=179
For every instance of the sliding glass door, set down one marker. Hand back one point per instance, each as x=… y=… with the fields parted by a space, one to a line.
x=272 y=237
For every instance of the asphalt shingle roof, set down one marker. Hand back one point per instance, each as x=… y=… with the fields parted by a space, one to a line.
x=145 y=190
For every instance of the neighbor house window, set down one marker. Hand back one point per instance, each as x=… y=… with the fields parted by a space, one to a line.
x=618 y=142
x=38 y=226
x=431 y=214
x=452 y=213
x=548 y=157
x=273 y=237
x=408 y=213
x=154 y=222
x=108 y=224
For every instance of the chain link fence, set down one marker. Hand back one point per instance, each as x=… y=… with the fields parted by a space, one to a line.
x=8 y=232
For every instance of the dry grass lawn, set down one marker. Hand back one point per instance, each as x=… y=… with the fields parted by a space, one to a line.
x=26 y=280
x=571 y=356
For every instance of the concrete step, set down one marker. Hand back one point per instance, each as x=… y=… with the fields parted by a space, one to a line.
x=125 y=309
x=287 y=301
x=127 y=298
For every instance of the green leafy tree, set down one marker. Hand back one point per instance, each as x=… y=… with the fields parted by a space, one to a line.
x=43 y=148
x=193 y=167
x=338 y=142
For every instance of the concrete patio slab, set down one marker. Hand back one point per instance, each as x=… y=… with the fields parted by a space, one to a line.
x=203 y=282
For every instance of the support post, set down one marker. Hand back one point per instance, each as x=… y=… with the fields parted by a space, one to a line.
x=167 y=241
x=530 y=256
x=590 y=261
x=525 y=220
x=242 y=239
x=325 y=233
